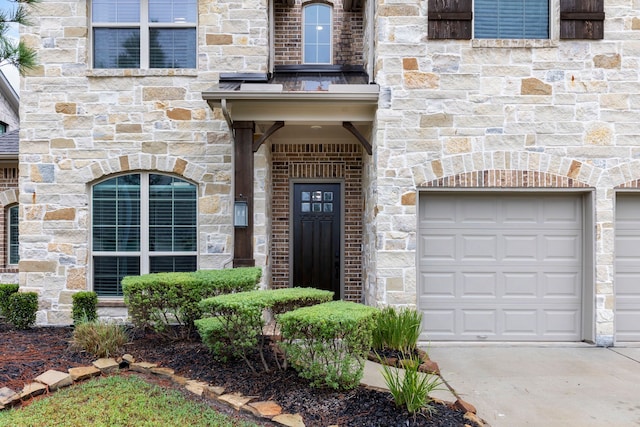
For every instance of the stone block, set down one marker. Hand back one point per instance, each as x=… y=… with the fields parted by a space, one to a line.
x=533 y=86
x=142 y=367
x=164 y=93
x=267 y=409
x=465 y=406
x=236 y=400
x=7 y=396
x=54 y=379
x=289 y=420
x=219 y=39
x=66 y=108
x=196 y=387
x=65 y=214
x=31 y=390
x=107 y=365
x=163 y=372
x=27 y=266
x=212 y=392
x=607 y=61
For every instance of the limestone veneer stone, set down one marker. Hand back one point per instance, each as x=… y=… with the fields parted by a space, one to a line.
x=82 y=373
x=196 y=387
x=54 y=379
x=107 y=365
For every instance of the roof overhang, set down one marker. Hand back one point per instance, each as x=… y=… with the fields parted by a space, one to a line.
x=268 y=102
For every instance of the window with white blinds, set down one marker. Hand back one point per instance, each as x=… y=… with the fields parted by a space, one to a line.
x=144 y=33
x=142 y=223
x=13 y=235
x=511 y=19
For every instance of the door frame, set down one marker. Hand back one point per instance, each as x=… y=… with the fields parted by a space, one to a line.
x=339 y=181
x=587 y=198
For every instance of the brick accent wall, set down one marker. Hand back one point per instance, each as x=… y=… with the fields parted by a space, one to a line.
x=319 y=161
x=348 y=34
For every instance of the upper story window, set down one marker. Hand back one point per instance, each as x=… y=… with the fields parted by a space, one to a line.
x=317 y=34
x=515 y=19
x=13 y=235
x=3 y=127
x=511 y=19
x=144 y=33
x=142 y=223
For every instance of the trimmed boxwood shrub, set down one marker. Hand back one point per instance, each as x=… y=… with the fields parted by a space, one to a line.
x=22 y=309
x=328 y=343
x=236 y=326
x=5 y=292
x=162 y=299
x=85 y=307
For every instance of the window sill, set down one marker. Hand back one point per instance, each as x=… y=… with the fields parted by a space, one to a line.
x=111 y=302
x=514 y=43
x=139 y=72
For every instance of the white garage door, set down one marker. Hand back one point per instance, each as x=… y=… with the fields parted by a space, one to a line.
x=500 y=266
x=627 y=280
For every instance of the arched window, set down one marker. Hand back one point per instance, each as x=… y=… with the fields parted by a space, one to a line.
x=317 y=34
x=142 y=223
x=12 y=235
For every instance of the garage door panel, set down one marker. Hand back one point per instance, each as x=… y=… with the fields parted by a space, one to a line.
x=476 y=247
x=513 y=277
x=439 y=247
x=627 y=321
x=561 y=285
x=478 y=284
x=441 y=284
x=479 y=322
x=520 y=285
x=561 y=248
x=627 y=278
x=562 y=322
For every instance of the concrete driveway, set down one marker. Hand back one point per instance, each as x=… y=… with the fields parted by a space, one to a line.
x=545 y=385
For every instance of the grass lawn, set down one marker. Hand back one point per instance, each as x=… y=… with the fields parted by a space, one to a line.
x=117 y=401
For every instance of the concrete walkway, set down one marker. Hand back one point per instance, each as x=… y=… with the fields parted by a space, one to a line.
x=546 y=385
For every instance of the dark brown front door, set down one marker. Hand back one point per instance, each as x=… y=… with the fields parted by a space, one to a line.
x=316 y=236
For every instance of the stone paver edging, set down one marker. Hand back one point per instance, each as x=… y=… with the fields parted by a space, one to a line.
x=52 y=380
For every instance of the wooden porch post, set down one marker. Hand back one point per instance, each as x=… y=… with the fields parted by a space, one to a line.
x=243 y=176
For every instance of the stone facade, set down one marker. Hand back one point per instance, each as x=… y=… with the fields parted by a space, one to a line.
x=451 y=113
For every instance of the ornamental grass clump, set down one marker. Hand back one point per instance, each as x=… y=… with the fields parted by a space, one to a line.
x=397 y=330
x=328 y=343
x=409 y=387
x=99 y=338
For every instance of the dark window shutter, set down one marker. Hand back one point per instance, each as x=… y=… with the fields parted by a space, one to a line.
x=582 y=19
x=449 y=19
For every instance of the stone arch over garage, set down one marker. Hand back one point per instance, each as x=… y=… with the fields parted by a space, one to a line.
x=506 y=169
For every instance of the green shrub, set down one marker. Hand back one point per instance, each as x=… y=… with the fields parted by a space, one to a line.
x=328 y=343
x=22 y=309
x=397 y=330
x=236 y=326
x=99 y=338
x=5 y=292
x=409 y=387
x=161 y=299
x=85 y=307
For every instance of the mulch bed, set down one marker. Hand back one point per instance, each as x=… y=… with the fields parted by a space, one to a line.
x=26 y=354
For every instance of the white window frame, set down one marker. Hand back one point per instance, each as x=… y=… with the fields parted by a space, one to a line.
x=144 y=254
x=144 y=25
x=304 y=44
x=552 y=41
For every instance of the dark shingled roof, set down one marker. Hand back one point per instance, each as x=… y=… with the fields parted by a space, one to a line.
x=9 y=142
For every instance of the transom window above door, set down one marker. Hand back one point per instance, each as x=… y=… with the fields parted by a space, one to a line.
x=142 y=223
x=317 y=34
x=144 y=33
